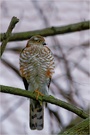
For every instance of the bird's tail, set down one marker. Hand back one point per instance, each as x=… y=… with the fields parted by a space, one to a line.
x=36 y=115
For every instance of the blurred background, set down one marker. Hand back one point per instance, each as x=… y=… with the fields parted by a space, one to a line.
x=70 y=83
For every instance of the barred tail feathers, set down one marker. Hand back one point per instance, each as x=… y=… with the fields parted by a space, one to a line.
x=36 y=115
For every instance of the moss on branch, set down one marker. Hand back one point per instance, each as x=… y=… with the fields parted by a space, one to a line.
x=49 y=99
x=81 y=128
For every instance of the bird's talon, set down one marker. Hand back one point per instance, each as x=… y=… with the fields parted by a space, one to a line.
x=38 y=93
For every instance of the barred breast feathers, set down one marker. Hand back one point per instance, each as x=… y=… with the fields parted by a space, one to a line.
x=36 y=57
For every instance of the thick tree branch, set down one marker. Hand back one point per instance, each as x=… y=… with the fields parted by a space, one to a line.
x=6 y=36
x=49 y=31
x=81 y=128
x=50 y=99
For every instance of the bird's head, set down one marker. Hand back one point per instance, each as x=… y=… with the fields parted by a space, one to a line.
x=36 y=40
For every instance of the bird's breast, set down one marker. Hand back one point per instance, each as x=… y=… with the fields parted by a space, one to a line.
x=36 y=63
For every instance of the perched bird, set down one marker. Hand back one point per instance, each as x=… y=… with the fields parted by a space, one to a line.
x=36 y=69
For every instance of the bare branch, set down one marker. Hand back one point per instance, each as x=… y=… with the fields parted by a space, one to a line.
x=6 y=36
x=49 y=31
x=49 y=99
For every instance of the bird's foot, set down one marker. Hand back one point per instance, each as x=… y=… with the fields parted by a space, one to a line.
x=38 y=93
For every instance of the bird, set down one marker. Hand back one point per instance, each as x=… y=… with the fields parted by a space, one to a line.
x=36 y=69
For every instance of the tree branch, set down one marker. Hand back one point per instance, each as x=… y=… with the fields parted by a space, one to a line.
x=80 y=129
x=50 y=99
x=6 y=36
x=49 y=31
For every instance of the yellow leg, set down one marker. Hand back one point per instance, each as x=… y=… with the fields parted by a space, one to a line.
x=38 y=93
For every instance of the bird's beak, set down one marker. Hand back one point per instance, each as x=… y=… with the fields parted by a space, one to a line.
x=44 y=43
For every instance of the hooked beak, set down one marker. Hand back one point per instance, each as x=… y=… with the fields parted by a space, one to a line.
x=44 y=43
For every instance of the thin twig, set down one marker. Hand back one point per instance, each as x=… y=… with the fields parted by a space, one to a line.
x=6 y=36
